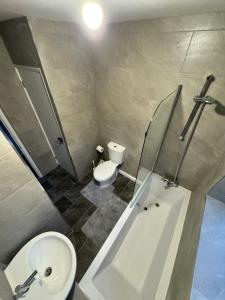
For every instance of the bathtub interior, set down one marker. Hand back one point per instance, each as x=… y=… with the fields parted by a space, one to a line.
x=135 y=271
x=133 y=267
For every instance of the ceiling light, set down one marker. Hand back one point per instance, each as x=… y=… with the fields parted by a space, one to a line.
x=92 y=14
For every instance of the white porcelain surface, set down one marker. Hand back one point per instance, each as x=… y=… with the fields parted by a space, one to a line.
x=50 y=249
x=137 y=259
x=116 y=152
x=105 y=171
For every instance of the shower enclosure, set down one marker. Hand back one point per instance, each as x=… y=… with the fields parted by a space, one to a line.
x=165 y=148
x=155 y=136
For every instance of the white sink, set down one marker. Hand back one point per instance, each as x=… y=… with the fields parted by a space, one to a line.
x=48 y=251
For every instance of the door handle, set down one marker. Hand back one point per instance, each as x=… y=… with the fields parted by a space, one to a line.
x=60 y=140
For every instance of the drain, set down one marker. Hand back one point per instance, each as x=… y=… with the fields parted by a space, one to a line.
x=157 y=204
x=48 y=272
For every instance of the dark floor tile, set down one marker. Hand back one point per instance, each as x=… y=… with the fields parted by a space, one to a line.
x=55 y=193
x=83 y=219
x=76 y=210
x=74 y=192
x=65 y=184
x=85 y=257
x=62 y=204
x=91 y=210
x=87 y=179
x=59 y=171
x=56 y=176
x=131 y=185
x=120 y=183
x=126 y=194
x=46 y=185
x=58 y=191
x=78 y=239
x=74 y=179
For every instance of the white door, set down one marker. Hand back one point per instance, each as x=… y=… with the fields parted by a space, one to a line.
x=33 y=82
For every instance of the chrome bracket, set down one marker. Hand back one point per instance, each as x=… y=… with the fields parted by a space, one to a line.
x=169 y=182
x=205 y=100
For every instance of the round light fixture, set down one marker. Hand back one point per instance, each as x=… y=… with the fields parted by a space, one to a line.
x=92 y=15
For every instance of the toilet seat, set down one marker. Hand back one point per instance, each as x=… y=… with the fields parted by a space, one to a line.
x=105 y=171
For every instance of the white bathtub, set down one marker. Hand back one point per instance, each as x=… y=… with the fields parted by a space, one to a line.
x=137 y=259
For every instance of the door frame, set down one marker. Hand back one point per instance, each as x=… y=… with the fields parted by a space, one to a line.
x=52 y=105
x=19 y=143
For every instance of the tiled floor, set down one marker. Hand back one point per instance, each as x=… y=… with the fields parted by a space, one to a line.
x=87 y=216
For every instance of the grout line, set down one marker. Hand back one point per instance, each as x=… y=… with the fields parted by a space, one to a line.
x=193 y=30
x=82 y=244
x=185 y=57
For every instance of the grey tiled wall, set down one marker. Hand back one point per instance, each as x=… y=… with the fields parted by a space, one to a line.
x=25 y=209
x=5 y=289
x=20 y=114
x=137 y=64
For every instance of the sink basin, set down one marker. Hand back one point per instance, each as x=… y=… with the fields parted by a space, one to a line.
x=53 y=256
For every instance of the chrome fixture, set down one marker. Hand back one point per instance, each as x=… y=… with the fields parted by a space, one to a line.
x=22 y=289
x=200 y=102
x=169 y=182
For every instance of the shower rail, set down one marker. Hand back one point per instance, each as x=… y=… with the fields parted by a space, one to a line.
x=200 y=102
x=201 y=99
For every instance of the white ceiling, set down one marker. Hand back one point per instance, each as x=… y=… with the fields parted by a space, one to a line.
x=115 y=10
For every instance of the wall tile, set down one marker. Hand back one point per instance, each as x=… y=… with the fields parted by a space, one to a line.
x=5 y=147
x=25 y=208
x=121 y=49
x=5 y=291
x=206 y=54
x=10 y=180
x=207 y=21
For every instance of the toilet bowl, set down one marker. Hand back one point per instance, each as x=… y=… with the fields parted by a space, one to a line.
x=105 y=173
x=44 y=268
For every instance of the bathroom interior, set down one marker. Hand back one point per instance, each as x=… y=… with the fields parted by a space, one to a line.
x=112 y=150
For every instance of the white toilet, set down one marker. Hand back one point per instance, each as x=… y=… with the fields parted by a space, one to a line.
x=106 y=172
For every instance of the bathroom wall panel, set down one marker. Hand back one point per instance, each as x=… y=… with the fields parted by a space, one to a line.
x=65 y=57
x=137 y=64
x=19 y=43
x=204 y=21
x=5 y=291
x=25 y=208
x=206 y=53
x=20 y=114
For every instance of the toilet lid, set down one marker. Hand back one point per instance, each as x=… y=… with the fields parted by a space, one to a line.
x=105 y=170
